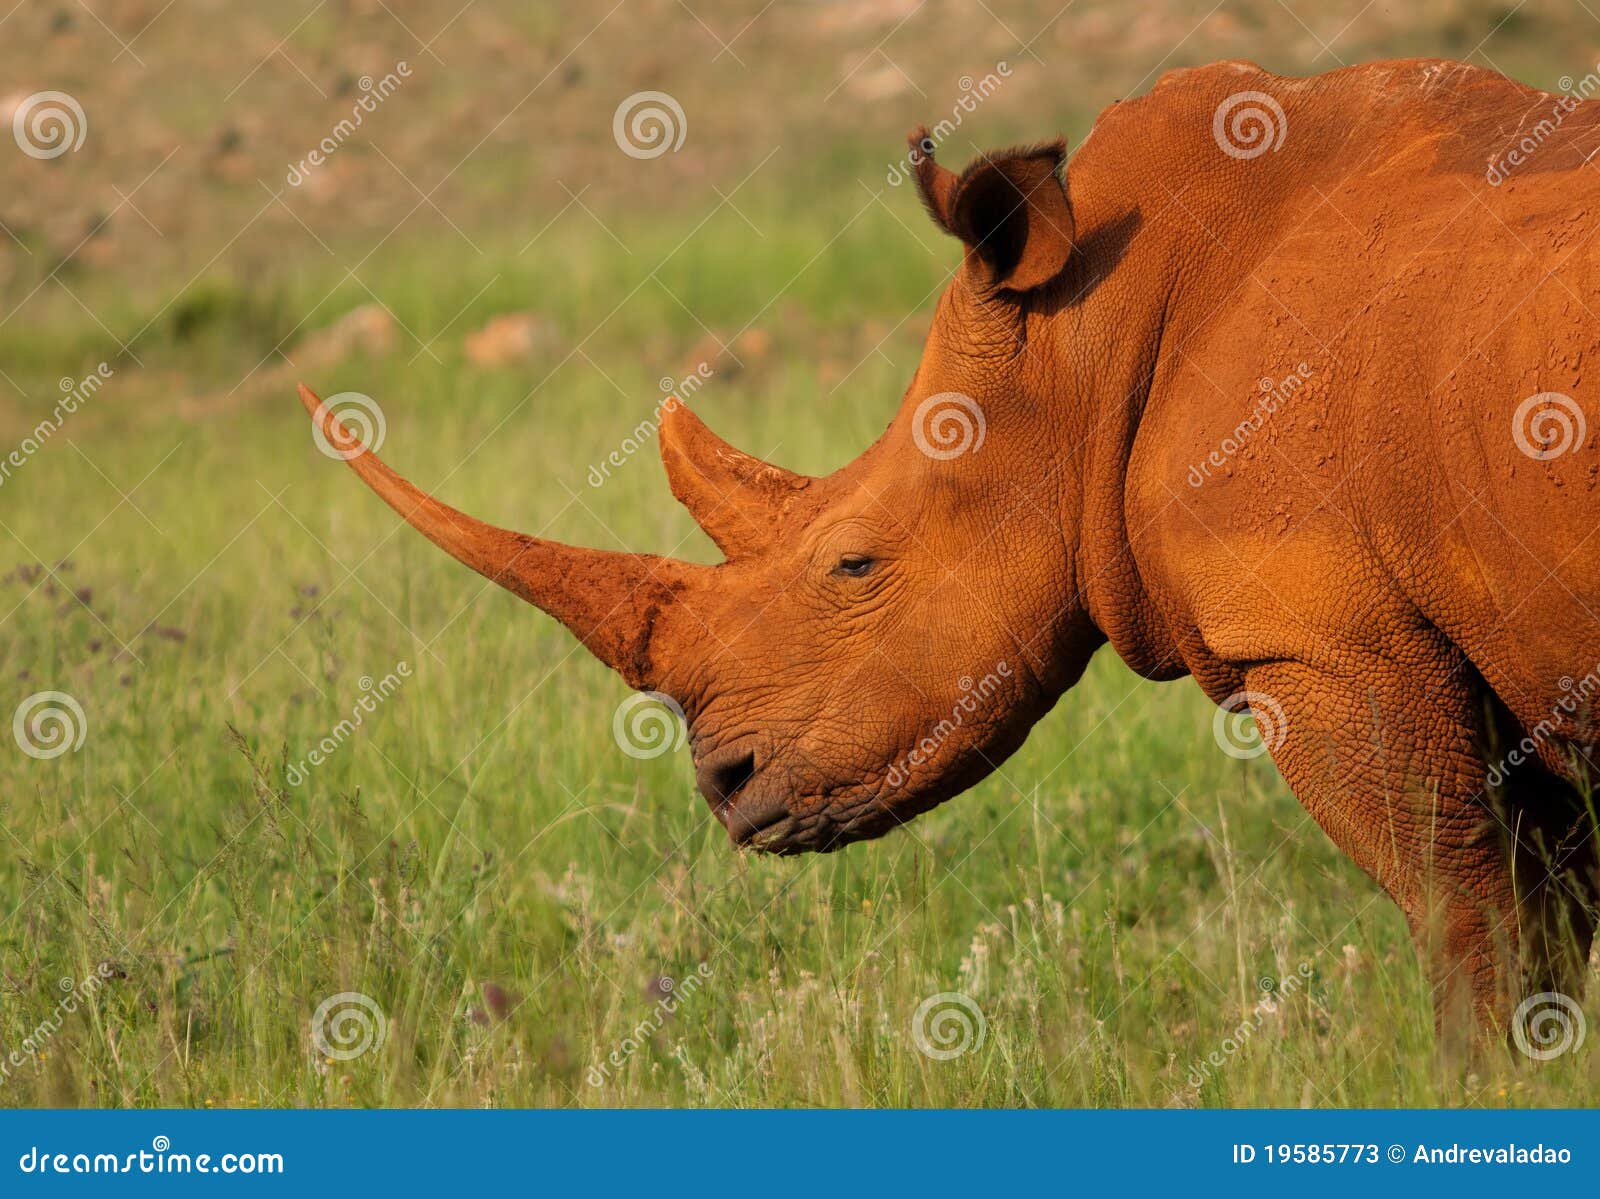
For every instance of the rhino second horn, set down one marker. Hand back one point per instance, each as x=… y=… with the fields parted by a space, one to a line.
x=738 y=499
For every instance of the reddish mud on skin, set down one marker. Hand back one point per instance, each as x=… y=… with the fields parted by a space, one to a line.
x=1377 y=556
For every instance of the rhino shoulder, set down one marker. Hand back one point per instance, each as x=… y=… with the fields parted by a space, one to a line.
x=1400 y=80
x=1182 y=90
x=1227 y=69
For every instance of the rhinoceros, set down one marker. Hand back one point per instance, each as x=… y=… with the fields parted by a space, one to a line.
x=1279 y=384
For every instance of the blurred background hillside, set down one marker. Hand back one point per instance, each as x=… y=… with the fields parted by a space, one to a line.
x=493 y=165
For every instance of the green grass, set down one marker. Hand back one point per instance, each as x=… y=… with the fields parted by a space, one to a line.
x=1110 y=901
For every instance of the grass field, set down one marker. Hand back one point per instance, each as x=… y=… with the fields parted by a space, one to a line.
x=514 y=896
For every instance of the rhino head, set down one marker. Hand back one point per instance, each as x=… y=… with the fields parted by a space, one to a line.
x=879 y=639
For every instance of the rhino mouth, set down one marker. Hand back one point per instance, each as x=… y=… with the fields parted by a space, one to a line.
x=761 y=823
x=770 y=825
x=762 y=813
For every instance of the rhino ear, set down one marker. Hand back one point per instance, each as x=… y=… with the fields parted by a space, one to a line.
x=935 y=184
x=1009 y=208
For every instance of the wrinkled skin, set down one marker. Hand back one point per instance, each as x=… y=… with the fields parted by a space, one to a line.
x=1404 y=591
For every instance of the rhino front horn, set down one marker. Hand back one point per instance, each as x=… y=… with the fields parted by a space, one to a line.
x=610 y=601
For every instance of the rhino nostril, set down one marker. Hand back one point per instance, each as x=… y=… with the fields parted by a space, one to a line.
x=720 y=780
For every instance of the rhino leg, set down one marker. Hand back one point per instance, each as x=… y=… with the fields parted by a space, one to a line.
x=1385 y=755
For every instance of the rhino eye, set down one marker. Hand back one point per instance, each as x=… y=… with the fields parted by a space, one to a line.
x=854 y=565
